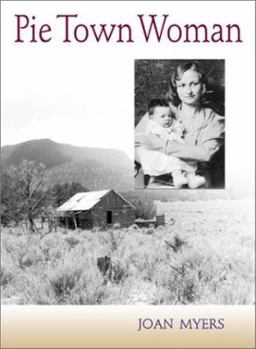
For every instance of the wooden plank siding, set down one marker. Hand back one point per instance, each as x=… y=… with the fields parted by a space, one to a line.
x=84 y=220
x=122 y=212
x=112 y=200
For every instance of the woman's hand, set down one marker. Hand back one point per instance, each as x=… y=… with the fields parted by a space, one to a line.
x=173 y=146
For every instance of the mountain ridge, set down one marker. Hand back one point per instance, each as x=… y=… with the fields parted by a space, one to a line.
x=95 y=168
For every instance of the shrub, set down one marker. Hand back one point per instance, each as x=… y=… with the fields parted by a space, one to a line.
x=31 y=257
x=7 y=274
x=72 y=241
x=145 y=209
x=36 y=289
x=64 y=279
x=90 y=289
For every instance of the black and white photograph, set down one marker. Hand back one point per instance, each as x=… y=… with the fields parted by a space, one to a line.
x=179 y=124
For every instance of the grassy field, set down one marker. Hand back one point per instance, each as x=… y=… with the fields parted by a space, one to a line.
x=205 y=257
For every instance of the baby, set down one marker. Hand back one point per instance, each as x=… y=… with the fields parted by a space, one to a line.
x=162 y=124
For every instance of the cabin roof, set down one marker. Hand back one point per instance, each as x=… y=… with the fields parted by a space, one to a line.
x=85 y=201
x=82 y=201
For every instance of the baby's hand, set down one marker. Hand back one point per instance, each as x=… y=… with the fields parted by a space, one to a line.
x=175 y=137
x=154 y=142
x=172 y=137
x=178 y=128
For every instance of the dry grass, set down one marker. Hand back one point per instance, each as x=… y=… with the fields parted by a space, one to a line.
x=206 y=257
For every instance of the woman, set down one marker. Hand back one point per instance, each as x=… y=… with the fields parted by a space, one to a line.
x=204 y=129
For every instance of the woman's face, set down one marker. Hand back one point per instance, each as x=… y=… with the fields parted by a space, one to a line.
x=189 y=88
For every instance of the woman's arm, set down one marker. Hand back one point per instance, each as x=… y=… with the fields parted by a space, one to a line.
x=210 y=142
x=200 y=153
x=189 y=152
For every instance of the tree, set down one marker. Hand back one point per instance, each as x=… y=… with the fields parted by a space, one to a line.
x=62 y=192
x=23 y=195
x=9 y=201
x=144 y=202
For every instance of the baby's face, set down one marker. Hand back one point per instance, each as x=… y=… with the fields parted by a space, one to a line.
x=162 y=116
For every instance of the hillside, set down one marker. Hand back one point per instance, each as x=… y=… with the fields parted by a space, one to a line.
x=94 y=168
x=92 y=175
x=43 y=150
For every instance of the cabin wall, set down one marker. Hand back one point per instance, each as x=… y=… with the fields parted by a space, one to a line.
x=121 y=212
x=84 y=220
x=123 y=216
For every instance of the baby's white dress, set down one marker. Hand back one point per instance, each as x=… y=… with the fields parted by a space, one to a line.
x=156 y=163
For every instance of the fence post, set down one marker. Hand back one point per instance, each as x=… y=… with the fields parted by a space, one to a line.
x=160 y=220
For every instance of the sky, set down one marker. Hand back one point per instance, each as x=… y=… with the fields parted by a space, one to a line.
x=75 y=94
x=66 y=97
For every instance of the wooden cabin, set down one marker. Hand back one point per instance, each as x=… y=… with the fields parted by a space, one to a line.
x=96 y=209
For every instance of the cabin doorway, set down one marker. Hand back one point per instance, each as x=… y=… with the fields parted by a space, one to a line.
x=109 y=217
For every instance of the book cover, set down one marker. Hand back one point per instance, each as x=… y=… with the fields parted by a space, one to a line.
x=127 y=174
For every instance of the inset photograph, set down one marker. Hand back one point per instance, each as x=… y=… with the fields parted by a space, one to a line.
x=179 y=124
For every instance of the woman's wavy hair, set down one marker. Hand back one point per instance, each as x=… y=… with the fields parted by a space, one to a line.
x=177 y=75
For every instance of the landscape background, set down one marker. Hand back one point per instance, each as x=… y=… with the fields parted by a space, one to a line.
x=94 y=168
x=202 y=255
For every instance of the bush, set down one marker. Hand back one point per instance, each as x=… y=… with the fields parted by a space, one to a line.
x=64 y=279
x=7 y=274
x=72 y=241
x=145 y=209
